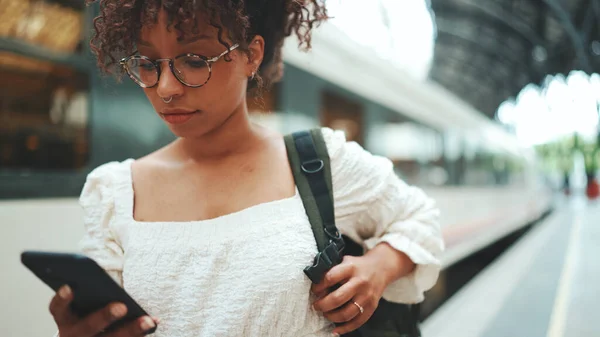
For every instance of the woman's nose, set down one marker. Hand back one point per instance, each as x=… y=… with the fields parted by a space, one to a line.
x=168 y=84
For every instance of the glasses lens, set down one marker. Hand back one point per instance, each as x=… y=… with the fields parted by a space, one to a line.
x=192 y=70
x=143 y=71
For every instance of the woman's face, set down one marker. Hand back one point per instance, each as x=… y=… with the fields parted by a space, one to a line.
x=193 y=112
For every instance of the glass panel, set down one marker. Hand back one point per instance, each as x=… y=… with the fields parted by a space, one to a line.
x=416 y=151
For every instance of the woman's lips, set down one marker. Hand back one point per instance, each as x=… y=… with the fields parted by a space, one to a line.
x=177 y=116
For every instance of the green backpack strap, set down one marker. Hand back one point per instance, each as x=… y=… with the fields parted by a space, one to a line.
x=309 y=160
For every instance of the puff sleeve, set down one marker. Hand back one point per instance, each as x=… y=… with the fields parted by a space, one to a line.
x=373 y=205
x=100 y=241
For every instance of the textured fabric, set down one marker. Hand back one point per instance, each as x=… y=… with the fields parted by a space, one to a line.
x=220 y=277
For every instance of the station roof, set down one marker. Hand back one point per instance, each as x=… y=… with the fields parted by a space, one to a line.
x=487 y=51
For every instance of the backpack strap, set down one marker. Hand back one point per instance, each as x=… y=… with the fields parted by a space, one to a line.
x=309 y=160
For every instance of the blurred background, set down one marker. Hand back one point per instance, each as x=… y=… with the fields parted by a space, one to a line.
x=491 y=106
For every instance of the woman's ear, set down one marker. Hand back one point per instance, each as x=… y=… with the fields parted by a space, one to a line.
x=256 y=52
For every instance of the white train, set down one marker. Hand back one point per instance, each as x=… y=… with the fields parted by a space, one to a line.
x=486 y=185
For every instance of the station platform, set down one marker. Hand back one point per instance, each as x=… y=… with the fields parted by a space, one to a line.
x=547 y=284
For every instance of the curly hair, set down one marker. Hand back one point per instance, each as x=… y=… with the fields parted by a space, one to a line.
x=119 y=24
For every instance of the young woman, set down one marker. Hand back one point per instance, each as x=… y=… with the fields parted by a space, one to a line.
x=209 y=233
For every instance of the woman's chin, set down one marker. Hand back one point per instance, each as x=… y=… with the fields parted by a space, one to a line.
x=189 y=130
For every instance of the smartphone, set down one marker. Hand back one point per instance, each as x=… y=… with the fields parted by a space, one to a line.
x=92 y=287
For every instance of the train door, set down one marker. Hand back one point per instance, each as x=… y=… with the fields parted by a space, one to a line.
x=342 y=113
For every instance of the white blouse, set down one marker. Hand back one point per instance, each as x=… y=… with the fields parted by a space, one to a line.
x=220 y=277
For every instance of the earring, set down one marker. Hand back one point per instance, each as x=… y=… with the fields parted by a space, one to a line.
x=253 y=75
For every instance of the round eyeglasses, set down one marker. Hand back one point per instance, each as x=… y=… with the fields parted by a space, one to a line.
x=190 y=69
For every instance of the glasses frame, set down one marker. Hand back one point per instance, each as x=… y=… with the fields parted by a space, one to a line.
x=209 y=62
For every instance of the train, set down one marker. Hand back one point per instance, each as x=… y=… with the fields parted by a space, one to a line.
x=485 y=183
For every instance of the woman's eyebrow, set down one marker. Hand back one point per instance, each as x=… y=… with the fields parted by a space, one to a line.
x=194 y=38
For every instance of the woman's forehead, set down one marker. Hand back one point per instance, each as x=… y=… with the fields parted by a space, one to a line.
x=195 y=28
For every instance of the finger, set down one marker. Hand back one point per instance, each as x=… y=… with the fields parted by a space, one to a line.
x=348 y=327
x=321 y=289
x=359 y=320
x=139 y=327
x=335 y=275
x=59 y=305
x=344 y=314
x=96 y=322
x=321 y=294
x=337 y=298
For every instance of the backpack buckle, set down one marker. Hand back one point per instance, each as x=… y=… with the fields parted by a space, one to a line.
x=324 y=261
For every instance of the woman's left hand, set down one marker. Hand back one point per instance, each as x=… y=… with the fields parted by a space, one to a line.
x=362 y=281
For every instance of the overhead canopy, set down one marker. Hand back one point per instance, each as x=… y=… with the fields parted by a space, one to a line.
x=487 y=51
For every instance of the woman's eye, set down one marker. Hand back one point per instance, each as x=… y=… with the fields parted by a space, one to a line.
x=147 y=66
x=195 y=63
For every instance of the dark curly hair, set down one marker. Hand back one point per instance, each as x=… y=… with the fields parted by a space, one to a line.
x=118 y=26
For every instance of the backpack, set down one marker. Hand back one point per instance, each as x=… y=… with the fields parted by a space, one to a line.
x=309 y=160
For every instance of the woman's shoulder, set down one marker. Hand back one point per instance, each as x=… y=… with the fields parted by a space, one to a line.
x=102 y=180
x=335 y=138
x=350 y=161
x=118 y=170
x=339 y=147
x=110 y=170
x=336 y=141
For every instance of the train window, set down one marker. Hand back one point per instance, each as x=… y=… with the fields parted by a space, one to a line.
x=43 y=98
x=415 y=149
x=43 y=115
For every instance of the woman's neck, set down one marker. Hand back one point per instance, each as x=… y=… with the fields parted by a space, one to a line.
x=236 y=135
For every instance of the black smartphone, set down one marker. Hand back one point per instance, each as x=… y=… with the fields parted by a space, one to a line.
x=92 y=287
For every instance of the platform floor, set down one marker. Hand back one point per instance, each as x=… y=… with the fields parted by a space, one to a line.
x=546 y=285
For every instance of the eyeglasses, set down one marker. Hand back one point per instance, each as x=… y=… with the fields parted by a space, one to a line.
x=190 y=69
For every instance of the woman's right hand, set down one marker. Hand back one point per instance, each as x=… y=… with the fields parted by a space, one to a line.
x=93 y=325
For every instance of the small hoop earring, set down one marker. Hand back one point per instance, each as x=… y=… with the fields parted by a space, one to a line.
x=253 y=75
x=167 y=100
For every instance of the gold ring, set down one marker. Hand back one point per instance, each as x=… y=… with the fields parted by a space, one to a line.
x=359 y=307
